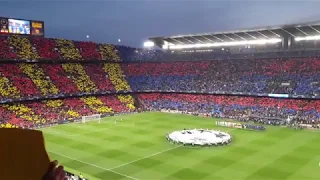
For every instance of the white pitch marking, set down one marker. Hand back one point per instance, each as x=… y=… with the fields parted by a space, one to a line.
x=93 y=165
x=145 y=157
x=77 y=134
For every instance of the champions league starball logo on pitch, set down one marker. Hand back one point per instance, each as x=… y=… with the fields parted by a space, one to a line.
x=199 y=137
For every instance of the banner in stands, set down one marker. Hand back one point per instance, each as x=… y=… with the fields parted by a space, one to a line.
x=240 y=126
x=9 y=26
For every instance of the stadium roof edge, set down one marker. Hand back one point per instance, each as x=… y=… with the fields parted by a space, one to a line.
x=268 y=32
x=315 y=23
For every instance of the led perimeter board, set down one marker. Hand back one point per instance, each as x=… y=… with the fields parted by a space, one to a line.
x=10 y=26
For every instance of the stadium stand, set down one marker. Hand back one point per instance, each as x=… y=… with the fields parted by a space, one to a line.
x=36 y=74
x=23 y=48
x=60 y=78
x=39 y=113
x=97 y=105
x=289 y=76
x=109 y=52
x=39 y=82
x=236 y=107
x=99 y=77
x=5 y=51
x=42 y=80
x=68 y=50
x=88 y=50
x=23 y=83
x=80 y=77
x=45 y=48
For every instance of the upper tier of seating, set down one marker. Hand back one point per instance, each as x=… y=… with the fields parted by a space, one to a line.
x=296 y=77
x=257 y=77
x=265 y=76
x=23 y=80
x=24 y=48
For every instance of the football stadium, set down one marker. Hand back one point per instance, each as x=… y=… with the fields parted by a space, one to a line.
x=236 y=105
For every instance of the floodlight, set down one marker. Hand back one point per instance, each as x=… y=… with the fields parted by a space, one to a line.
x=307 y=38
x=233 y=43
x=148 y=44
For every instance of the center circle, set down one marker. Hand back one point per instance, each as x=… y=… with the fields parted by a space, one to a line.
x=199 y=137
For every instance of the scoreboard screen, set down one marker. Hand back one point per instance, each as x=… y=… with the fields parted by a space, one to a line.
x=37 y=28
x=11 y=26
x=19 y=26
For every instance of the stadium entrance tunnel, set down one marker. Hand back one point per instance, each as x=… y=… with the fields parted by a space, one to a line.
x=199 y=137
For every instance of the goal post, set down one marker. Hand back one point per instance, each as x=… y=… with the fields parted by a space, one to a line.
x=94 y=117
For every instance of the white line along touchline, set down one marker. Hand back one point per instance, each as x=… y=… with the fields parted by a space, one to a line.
x=93 y=165
x=75 y=134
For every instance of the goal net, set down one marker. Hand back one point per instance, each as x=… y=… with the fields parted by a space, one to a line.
x=94 y=117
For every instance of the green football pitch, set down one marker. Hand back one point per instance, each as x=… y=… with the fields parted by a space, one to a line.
x=136 y=148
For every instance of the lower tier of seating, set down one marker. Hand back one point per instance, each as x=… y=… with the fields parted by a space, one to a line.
x=236 y=107
x=31 y=114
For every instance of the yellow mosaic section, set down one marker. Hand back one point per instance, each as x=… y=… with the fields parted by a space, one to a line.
x=96 y=104
x=68 y=50
x=116 y=76
x=23 y=48
x=108 y=52
x=38 y=77
x=128 y=100
x=80 y=77
x=7 y=89
x=8 y=125
x=24 y=112
x=73 y=113
x=55 y=104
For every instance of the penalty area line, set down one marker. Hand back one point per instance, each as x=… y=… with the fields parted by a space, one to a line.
x=93 y=165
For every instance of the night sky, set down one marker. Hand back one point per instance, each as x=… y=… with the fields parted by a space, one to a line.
x=133 y=21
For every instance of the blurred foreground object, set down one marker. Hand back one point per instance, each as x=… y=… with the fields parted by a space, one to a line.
x=22 y=155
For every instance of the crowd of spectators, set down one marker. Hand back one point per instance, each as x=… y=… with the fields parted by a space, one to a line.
x=293 y=76
x=277 y=76
x=99 y=77
x=109 y=52
x=117 y=76
x=67 y=49
x=46 y=48
x=24 y=48
x=59 y=77
x=7 y=90
x=25 y=86
x=236 y=107
x=31 y=114
x=88 y=50
x=46 y=80
x=77 y=73
x=5 y=51
x=38 y=77
x=97 y=105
